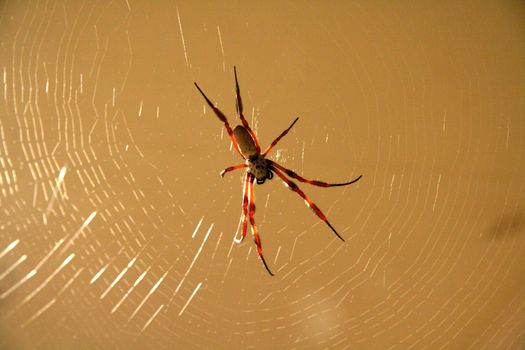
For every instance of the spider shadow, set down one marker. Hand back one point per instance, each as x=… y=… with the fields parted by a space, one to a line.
x=507 y=226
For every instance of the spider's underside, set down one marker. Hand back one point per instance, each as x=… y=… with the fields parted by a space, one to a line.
x=260 y=168
x=257 y=164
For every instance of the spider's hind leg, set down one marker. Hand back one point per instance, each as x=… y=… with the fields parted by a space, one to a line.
x=307 y=200
x=255 y=232
x=293 y=174
x=245 y=200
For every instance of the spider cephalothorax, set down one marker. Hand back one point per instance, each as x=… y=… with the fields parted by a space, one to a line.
x=260 y=168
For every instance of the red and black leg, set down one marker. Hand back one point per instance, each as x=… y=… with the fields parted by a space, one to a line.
x=222 y=117
x=241 y=114
x=255 y=232
x=293 y=174
x=232 y=168
x=245 y=200
x=279 y=138
x=307 y=200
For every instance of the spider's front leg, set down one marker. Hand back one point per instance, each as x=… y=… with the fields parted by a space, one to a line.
x=232 y=168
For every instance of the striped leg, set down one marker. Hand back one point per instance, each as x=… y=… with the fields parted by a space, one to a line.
x=245 y=199
x=255 y=232
x=240 y=110
x=307 y=200
x=293 y=174
x=222 y=117
x=232 y=168
x=283 y=134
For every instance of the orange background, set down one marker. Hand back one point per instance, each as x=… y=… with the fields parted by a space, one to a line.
x=116 y=230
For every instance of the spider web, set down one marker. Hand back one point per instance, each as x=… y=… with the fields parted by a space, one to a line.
x=117 y=232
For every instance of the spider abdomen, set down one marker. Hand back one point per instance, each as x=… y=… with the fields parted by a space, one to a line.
x=245 y=141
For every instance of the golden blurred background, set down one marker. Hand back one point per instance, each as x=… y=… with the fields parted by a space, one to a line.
x=116 y=230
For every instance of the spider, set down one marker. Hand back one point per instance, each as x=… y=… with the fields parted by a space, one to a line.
x=261 y=168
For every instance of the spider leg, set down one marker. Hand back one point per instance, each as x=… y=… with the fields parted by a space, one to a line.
x=279 y=138
x=245 y=199
x=222 y=117
x=240 y=110
x=307 y=200
x=255 y=232
x=293 y=174
x=231 y=168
